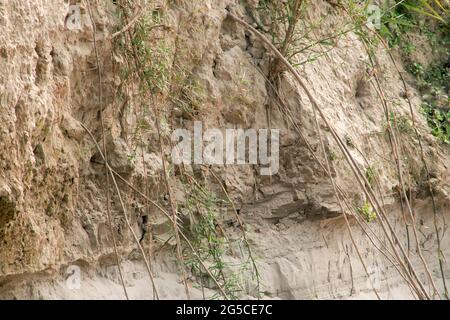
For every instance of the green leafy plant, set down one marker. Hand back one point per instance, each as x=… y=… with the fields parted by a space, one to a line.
x=333 y=156
x=436 y=9
x=370 y=175
x=210 y=242
x=394 y=23
x=367 y=212
x=282 y=19
x=433 y=83
x=439 y=121
x=408 y=47
x=401 y=16
x=349 y=141
x=430 y=18
x=402 y=123
x=415 y=68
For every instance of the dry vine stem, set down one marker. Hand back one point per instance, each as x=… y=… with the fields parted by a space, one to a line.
x=139 y=11
x=185 y=238
x=241 y=225
x=422 y=154
x=327 y=162
x=100 y=102
x=179 y=250
x=290 y=117
x=135 y=238
x=395 y=153
x=362 y=181
x=157 y=206
x=397 y=159
x=287 y=112
x=380 y=211
x=172 y=202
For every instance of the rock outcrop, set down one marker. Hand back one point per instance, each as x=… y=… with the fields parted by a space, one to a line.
x=53 y=193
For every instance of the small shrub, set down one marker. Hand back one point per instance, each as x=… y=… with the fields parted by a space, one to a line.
x=367 y=212
x=333 y=156
x=439 y=121
x=370 y=175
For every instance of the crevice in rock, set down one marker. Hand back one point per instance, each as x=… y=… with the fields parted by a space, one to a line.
x=7 y=212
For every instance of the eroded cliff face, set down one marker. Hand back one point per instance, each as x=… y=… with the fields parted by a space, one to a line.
x=53 y=193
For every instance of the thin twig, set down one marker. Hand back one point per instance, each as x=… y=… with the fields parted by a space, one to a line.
x=244 y=234
x=139 y=10
x=136 y=239
x=100 y=102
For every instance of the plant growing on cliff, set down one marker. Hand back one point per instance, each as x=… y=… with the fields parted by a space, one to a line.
x=367 y=212
x=401 y=122
x=439 y=121
x=370 y=175
x=436 y=9
x=375 y=203
x=282 y=20
x=430 y=18
x=209 y=239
